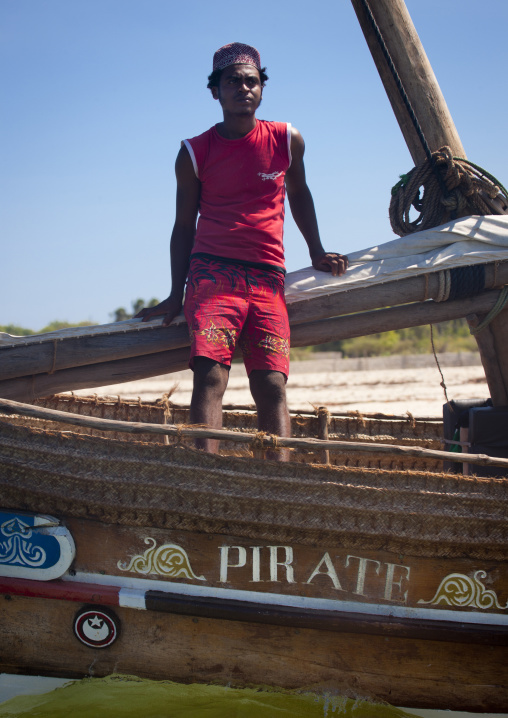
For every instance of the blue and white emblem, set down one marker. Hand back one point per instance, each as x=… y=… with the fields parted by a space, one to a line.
x=34 y=546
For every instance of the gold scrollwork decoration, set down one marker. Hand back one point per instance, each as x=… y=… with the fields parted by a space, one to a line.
x=168 y=560
x=460 y=590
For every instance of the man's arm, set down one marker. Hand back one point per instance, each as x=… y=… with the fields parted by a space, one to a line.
x=188 y=189
x=304 y=214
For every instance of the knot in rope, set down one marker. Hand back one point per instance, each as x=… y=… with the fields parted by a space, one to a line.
x=259 y=441
x=455 y=202
x=444 y=188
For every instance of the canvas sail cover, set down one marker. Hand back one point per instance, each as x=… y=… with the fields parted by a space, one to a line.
x=462 y=242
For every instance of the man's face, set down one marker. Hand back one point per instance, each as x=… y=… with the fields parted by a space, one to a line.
x=239 y=90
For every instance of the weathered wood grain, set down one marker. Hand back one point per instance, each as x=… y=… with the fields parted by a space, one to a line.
x=363 y=578
x=29 y=388
x=488 y=354
x=161 y=646
x=51 y=355
x=57 y=352
x=499 y=330
x=416 y=75
x=383 y=320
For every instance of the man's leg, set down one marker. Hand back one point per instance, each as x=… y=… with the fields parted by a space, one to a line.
x=268 y=389
x=210 y=382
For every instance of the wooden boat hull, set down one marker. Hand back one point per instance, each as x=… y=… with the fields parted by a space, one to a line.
x=399 y=670
x=204 y=636
x=386 y=584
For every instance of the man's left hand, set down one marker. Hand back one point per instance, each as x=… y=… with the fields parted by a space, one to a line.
x=331 y=262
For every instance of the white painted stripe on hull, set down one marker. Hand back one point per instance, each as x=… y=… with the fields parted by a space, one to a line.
x=132 y=598
x=303 y=602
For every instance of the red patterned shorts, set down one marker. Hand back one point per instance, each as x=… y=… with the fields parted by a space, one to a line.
x=228 y=304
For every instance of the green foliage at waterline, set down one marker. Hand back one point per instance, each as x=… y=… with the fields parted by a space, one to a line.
x=452 y=336
x=121 y=314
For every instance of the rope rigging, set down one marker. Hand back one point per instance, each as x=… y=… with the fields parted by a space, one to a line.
x=442 y=187
x=468 y=189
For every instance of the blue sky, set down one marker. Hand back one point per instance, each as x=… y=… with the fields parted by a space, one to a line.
x=97 y=94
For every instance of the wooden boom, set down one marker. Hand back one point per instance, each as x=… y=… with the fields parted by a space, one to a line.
x=57 y=351
x=173 y=357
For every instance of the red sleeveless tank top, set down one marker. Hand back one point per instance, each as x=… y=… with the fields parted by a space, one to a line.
x=241 y=209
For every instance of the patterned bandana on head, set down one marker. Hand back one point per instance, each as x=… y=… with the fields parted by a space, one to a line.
x=236 y=53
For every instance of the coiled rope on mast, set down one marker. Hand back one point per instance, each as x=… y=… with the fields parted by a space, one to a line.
x=467 y=189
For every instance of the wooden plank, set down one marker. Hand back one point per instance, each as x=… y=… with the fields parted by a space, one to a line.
x=14 y=407
x=50 y=355
x=266 y=612
x=337 y=621
x=366 y=577
x=416 y=75
x=58 y=351
x=36 y=636
x=488 y=353
x=29 y=388
x=383 y=320
x=388 y=294
x=317 y=332
x=499 y=330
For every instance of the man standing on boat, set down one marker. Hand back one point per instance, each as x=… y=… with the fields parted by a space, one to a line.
x=235 y=176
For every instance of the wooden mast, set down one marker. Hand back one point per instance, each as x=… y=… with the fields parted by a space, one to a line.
x=426 y=99
x=416 y=74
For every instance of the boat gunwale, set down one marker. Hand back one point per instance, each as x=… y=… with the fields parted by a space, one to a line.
x=259 y=439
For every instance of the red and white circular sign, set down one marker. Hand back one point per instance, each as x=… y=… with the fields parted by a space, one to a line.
x=96 y=627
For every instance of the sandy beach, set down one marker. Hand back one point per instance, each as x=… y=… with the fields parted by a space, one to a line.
x=391 y=385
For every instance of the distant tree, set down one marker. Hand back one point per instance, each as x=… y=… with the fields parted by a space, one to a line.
x=452 y=336
x=56 y=325
x=121 y=314
x=137 y=306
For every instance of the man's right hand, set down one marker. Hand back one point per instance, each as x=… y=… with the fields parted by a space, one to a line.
x=169 y=309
